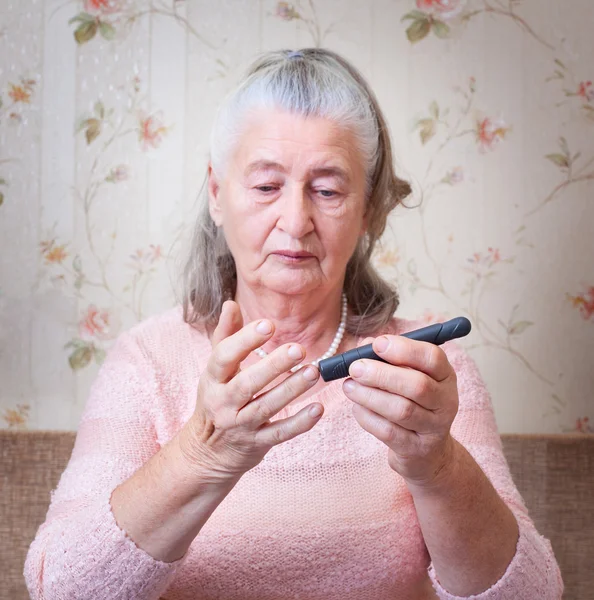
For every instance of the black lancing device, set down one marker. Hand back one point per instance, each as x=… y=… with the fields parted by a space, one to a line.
x=337 y=366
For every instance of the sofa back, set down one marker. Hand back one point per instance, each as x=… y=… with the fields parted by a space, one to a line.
x=554 y=473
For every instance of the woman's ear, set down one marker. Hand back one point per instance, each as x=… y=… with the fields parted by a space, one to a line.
x=214 y=198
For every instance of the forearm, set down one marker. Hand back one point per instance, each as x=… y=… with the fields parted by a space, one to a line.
x=470 y=533
x=165 y=504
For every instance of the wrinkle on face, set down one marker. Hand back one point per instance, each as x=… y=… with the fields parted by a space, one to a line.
x=302 y=158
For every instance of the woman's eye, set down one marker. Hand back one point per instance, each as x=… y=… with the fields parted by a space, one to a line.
x=266 y=188
x=327 y=193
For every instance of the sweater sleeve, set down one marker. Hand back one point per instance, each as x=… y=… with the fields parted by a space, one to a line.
x=80 y=552
x=533 y=571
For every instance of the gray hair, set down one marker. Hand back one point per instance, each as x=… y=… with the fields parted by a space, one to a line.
x=311 y=81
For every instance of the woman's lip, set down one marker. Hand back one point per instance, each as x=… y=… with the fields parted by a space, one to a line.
x=292 y=260
x=294 y=254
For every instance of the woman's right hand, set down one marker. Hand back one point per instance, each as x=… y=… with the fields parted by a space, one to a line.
x=230 y=432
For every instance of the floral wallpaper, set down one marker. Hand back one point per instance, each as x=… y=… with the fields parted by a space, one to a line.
x=105 y=111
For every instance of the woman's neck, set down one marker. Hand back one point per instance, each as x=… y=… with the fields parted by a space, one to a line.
x=311 y=319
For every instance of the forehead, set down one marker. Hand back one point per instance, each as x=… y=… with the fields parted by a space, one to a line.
x=296 y=142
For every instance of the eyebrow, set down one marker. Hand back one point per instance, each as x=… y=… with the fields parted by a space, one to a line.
x=270 y=165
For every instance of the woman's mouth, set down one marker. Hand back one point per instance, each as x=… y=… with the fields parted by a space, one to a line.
x=291 y=257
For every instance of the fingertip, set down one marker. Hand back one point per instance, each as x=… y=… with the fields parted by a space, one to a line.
x=265 y=327
x=227 y=323
x=233 y=312
x=311 y=373
x=228 y=308
x=381 y=344
x=316 y=410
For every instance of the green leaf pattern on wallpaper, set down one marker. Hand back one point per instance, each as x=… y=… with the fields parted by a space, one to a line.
x=92 y=271
x=101 y=129
x=441 y=17
x=113 y=19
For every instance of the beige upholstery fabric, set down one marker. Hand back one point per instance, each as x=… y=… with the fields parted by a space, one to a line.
x=555 y=475
x=30 y=466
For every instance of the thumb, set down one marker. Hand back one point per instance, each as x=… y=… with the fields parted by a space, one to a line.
x=230 y=322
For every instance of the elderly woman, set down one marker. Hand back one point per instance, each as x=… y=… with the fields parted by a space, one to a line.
x=213 y=462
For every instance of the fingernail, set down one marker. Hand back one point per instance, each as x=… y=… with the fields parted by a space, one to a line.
x=349 y=385
x=295 y=352
x=357 y=369
x=264 y=327
x=310 y=374
x=382 y=343
x=315 y=410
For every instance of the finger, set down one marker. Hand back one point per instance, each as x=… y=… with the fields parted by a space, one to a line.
x=252 y=380
x=265 y=406
x=402 y=381
x=286 y=429
x=227 y=355
x=422 y=356
x=394 y=408
x=230 y=321
x=397 y=438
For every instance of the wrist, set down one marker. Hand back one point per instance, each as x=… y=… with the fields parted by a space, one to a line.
x=443 y=475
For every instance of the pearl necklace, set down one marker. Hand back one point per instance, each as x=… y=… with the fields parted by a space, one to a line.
x=333 y=346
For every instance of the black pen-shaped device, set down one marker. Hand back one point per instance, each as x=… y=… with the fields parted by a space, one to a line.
x=337 y=366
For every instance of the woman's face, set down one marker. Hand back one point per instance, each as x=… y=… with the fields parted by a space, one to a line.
x=291 y=202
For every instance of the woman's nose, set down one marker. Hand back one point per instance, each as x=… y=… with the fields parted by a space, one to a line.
x=296 y=213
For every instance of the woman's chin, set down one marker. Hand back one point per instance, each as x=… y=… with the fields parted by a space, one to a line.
x=292 y=282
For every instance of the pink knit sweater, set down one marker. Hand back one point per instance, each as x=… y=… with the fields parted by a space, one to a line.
x=321 y=517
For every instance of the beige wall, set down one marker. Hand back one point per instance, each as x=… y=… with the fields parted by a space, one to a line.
x=103 y=144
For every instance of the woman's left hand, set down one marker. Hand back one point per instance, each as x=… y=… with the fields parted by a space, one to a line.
x=409 y=404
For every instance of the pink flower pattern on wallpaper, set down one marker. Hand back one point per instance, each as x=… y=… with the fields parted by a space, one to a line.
x=490 y=132
x=286 y=11
x=21 y=93
x=53 y=253
x=583 y=425
x=574 y=88
x=102 y=7
x=431 y=16
x=385 y=257
x=83 y=270
x=96 y=324
x=11 y=113
x=481 y=264
x=586 y=91
x=95 y=327
x=445 y=9
x=438 y=130
x=16 y=418
x=584 y=302
x=151 y=130
x=113 y=19
x=110 y=276
x=143 y=259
